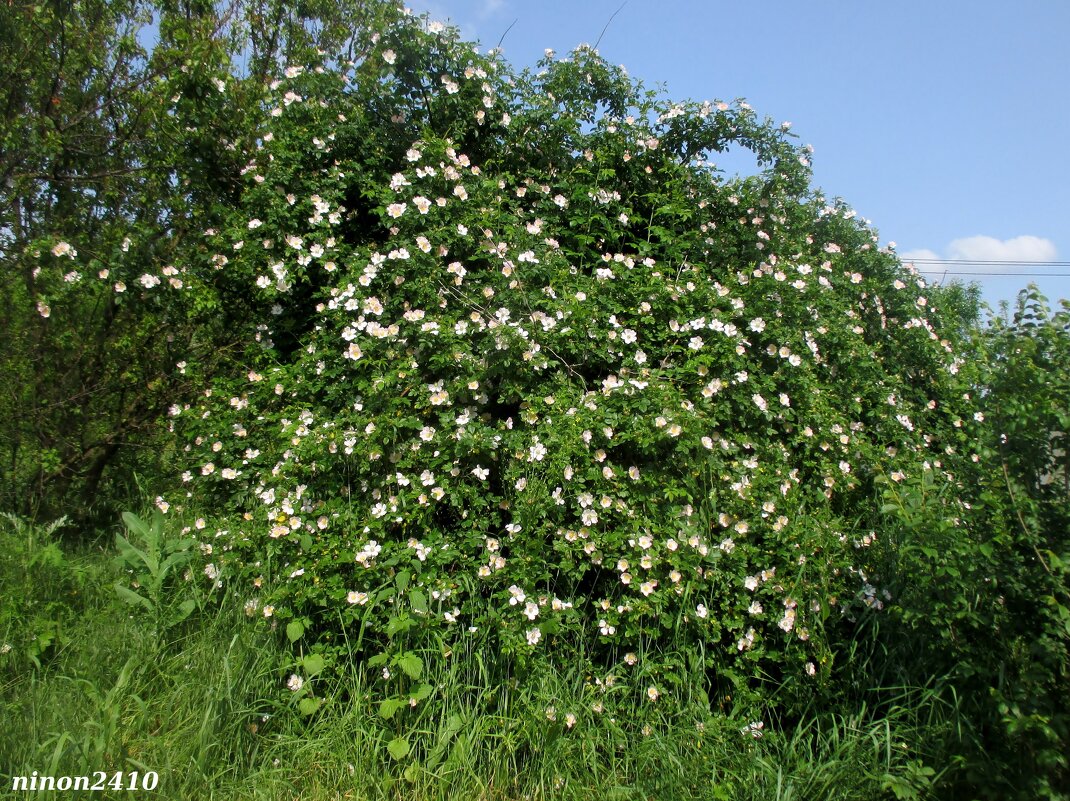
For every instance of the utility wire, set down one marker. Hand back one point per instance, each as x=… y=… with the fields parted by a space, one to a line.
x=992 y=261
x=935 y=265
x=996 y=275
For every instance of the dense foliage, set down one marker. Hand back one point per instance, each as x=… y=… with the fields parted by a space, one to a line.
x=437 y=358
x=112 y=156
x=530 y=370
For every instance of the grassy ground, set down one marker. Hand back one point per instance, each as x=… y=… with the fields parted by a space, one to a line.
x=90 y=683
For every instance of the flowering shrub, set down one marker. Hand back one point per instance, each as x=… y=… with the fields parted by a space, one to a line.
x=524 y=366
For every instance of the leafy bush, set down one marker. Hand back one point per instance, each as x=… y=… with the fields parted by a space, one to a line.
x=43 y=594
x=1028 y=383
x=525 y=367
x=977 y=562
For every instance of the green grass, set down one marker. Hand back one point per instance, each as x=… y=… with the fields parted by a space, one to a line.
x=203 y=705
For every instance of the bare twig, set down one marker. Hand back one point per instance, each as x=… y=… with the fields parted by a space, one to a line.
x=506 y=33
x=606 y=28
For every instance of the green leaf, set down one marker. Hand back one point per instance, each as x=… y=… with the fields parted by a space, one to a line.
x=418 y=600
x=134 y=556
x=398 y=624
x=422 y=692
x=294 y=630
x=411 y=664
x=308 y=706
x=313 y=664
x=185 y=609
x=398 y=747
x=388 y=707
x=132 y=597
x=174 y=560
x=402 y=580
x=136 y=525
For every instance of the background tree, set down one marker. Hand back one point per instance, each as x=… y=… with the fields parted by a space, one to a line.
x=122 y=131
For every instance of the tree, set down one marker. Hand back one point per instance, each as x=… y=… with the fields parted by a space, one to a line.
x=122 y=128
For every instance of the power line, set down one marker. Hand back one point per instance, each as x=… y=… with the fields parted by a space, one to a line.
x=997 y=275
x=936 y=264
x=1023 y=262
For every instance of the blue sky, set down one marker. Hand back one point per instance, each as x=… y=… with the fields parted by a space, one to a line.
x=945 y=122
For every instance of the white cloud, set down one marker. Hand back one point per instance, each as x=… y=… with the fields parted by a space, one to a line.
x=987 y=248
x=978 y=249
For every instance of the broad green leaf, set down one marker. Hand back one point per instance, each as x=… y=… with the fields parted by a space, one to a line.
x=313 y=664
x=134 y=556
x=411 y=664
x=136 y=524
x=398 y=747
x=132 y=597
x=422 y=692
x=174 y=560
x=418 y=600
